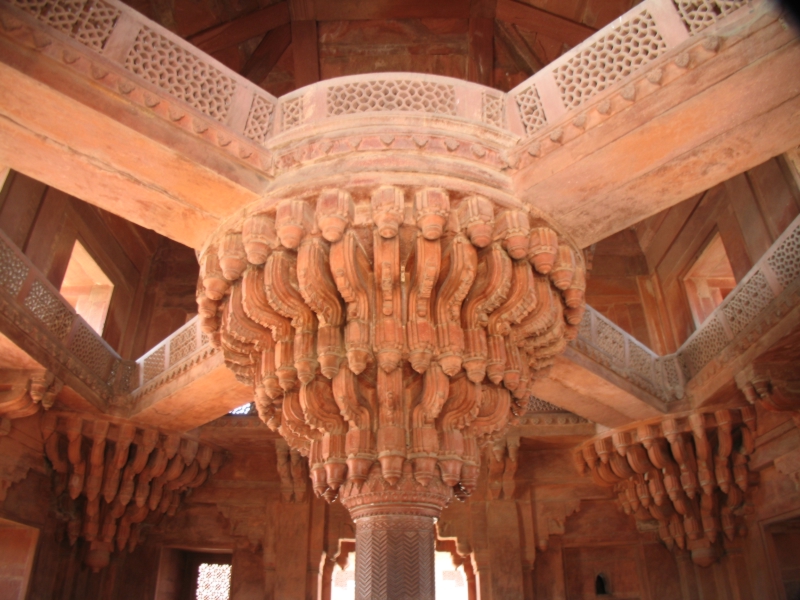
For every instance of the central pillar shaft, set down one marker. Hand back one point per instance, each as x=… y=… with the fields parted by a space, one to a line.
x=395 y=537
x=394 y=557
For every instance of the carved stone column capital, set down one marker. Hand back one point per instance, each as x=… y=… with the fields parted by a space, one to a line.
x=390 y=331
x=406 y=497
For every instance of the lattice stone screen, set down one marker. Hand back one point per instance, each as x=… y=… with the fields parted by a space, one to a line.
x=530 y=110
x=785 y=261
x=292 y=113
x=493 y=110
x=699 y=14
x=614 y=56
x=745 y=306
x=259 y=121
x=182 y=74
x=384 y=95
x=91 y=23
x=49 y=309
x=213 y=582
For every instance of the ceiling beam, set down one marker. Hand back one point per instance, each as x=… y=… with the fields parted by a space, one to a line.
x=480 y=62
x=364 y=10
x=480 y=58
x=268 y=53
x=543 y=22
x=306 y=53
x=645 y=158
x=305 y=46
x=242 y=28
x=518 y=48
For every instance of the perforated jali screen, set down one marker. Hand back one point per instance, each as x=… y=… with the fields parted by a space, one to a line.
x=213 y=582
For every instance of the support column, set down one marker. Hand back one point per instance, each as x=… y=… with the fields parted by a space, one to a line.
x=395 y=537
x=394 y=557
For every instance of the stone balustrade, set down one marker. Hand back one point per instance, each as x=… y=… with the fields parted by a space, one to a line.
x=156 y=63
x=769 y=291
x=38 y=319
x=170 y=357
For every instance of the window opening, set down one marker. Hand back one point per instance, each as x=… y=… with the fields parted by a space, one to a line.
x=213 y=582
x=244 y=409
x=87 y=288
x=600 y=586
x=709 y=280
x=343 y=586
x=451 y=581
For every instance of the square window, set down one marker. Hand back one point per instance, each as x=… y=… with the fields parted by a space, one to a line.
x=87 y=288
x=213 y=582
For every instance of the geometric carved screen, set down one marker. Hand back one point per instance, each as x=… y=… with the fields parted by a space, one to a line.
x=90 y=22
x=259 y=121
x=530 y=110
x=386 y=95
x=213 y=582
x=699 y=14
x=614 y=56
x=182 y=74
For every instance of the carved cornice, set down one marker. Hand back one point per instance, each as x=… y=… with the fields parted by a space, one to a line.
x=689 y=472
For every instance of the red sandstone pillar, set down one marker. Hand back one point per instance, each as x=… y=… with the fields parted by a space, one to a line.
x=395 y=538
x=394 y=557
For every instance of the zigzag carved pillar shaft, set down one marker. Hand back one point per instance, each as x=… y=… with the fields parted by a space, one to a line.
x=394 y=557
x=394 y=534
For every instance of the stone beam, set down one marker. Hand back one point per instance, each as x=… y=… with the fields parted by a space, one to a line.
x=540 y=21
x=67 y=130
x=580 y=387
x=242 y=28
x=687 y=122
x=183 y=383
